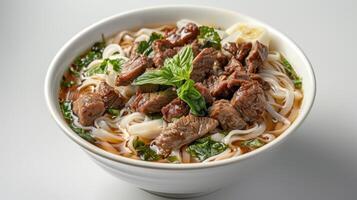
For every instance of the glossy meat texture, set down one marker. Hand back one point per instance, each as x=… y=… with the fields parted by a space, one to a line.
x=204 y=91
x=132 y=69
x=183 y=131
x=88 y=107
x=153 y=102
x=228 y=117
x=175 y=109
x=202 y=65
x=163 y=49
x=249 y=100
x=185 y=35
x=111 y=98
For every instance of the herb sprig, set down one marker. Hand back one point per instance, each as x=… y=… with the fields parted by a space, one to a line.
x=176 y=72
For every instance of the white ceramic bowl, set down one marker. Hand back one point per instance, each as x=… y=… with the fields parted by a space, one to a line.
x=179 y=180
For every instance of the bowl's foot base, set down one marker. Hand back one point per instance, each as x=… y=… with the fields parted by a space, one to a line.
x=180 y=195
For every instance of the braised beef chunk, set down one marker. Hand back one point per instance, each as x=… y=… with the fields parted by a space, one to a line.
x=202 y=65
x=132 y=69
x=162 y=49
x=228 y=117
x=222 y=60
x=183 y=131
x=88 y=107
x=243 y=51
x=149 y=103
x=233 y=65
x=175 y=109
x=231 y=48
x=110 y=97
x=196 y=47
x=222 y=86
x=185 y=35
x=249 y=100
x=256 y=57
x=205 y=93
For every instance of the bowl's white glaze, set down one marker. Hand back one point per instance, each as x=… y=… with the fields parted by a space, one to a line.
x=183 y=179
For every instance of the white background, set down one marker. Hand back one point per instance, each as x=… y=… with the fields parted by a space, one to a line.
x=37 y=161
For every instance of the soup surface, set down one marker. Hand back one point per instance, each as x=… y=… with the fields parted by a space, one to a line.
x=181 y=93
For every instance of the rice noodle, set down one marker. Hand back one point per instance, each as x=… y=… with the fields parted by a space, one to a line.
x=254 y=132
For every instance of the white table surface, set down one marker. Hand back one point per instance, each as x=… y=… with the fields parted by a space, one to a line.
x=37 y=161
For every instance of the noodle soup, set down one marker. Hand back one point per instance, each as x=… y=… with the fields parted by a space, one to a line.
x=181 y=93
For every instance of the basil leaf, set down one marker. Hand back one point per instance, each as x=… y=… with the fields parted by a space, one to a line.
x=144 y=151
x=174 y=71
x=189 y=94
x=253 y=143
x=144 y=47
x=158 y=77
x=209 y=37
x=205 y=147
x=291 y=72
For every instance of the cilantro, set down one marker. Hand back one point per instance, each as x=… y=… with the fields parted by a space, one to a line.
x=144 y=47
x=205 y=147
x=176 y=72
x=209 y=37
x=144 y=151
x=291 y=72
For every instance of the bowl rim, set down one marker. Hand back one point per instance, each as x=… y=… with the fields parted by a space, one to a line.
x=55 y=113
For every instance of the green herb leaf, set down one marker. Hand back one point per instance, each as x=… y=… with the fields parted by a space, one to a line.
x=94 y=53
x=117 y=64
x=253 y=143
x=66 y=108
x=291 y=72
x=209 y=37
x=144 y=151
x=103 y=67
x=189 y=94
x=144 y=47
x=205 y=147
x=176 y=72
x=82 y=133
x=114 y=112
x=173 y=159
x=67 y=84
